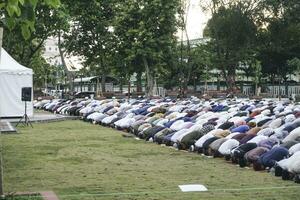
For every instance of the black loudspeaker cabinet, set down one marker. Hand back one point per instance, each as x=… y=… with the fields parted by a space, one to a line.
x=26 y=93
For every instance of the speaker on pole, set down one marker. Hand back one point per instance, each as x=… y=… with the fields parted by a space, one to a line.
x=26 y=93
x=25 y=96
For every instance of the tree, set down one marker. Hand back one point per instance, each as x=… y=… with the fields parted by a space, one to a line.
x=233 y=36
x=185 y=49
x=202 y=63
x=48 y=21
x=21 y=13
x=278 y=40
x=44 y=73
x=126 y=26
x=188 y=67
x=149 y=38
x=91 y=35
x=29 y=52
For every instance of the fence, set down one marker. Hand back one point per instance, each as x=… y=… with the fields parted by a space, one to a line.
x=284 y=90
x=249 y=90
x=161 y=91
x=274 y=90
x=109 y=87
x=271 y=90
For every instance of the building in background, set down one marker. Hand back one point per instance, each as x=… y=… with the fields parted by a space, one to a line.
x=52 y=56
x=51 y=52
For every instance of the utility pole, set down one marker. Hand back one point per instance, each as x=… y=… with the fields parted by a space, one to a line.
x=81 y=82
x=1 y=150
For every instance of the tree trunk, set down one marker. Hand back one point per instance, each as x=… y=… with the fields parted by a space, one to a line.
x=286 y=88
x=103 y=81
x=129 y=88
x=279 y=83
x=97 y=87
x=225 y=74
x=230 y=79
x=189 y=67
x=273 y=85
x=121 y=85
x=256 y=89
x=150 y=81
x=187 y=80
x=68 y=73
x=195 y=86
x=139 y=82
x=205 y=86
x=206 y=78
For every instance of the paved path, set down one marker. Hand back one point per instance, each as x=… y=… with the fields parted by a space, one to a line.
x=46 y=195
x=6 y=127
x=49 y=195
x=43 y=117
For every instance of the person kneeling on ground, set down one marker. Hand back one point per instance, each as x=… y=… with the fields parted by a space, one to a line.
x=285 y=167
x=191 y=138
x=268 y=159
x=239 y=153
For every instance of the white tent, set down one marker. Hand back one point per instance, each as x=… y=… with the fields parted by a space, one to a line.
x=13 y=77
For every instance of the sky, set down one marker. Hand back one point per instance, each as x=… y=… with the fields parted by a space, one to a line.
x=196 y=20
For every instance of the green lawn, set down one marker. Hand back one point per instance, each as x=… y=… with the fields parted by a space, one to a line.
x=78 y=160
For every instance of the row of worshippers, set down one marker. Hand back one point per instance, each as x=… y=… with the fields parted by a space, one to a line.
x=263 y=134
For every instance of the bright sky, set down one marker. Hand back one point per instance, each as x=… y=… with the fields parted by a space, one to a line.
x=196 y=20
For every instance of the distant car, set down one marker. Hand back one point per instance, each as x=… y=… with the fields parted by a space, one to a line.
x=84 y=94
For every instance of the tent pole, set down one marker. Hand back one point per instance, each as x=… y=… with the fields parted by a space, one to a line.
x=1 y=150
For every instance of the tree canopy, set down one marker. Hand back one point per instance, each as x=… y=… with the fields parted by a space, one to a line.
x=129 y=37
x=233 y=39
x=21 y=13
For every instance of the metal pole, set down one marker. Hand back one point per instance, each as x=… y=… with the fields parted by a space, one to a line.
x=80 y=83
x=26 y=119
x=1 y=150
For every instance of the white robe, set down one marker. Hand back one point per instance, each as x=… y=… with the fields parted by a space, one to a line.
x=227 y=146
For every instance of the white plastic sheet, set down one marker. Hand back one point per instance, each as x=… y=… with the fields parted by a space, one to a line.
x=192 y=188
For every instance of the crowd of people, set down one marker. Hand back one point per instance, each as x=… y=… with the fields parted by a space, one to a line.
x=263 y=134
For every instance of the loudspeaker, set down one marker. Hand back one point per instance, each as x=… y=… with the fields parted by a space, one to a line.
x=26 y=93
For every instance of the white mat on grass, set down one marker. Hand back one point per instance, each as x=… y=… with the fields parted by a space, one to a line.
x=192 y=188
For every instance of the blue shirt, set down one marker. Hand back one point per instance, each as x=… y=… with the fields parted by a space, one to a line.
x=269 y=158
x=241 y=129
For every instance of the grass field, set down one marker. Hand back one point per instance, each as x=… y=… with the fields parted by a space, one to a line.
x=78 y=161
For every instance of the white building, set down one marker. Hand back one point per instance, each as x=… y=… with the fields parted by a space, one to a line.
x=52 y=56
x=51 y=52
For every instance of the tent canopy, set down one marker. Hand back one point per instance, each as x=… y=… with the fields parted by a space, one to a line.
x=10 y=65
x=13 y=77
